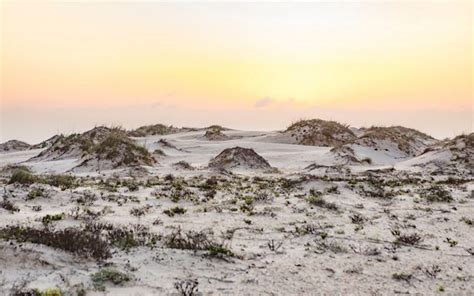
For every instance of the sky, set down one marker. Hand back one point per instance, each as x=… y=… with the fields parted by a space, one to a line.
x=69 y=66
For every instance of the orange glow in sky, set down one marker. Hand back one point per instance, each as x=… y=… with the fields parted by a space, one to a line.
x=277 y=60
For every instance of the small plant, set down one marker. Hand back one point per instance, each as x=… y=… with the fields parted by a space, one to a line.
x=37 y=292
x=131 y=185
x=358 y=218
x=436 y=193
x=432 y=271
x=174 y=211
x=246 y=208
x=196 y=241
x=183 y=165
x=108 y=275
x=274 y=246
x=169 y=178
x=322 y=245
x=368 y=251
x=60 y=181
x=187 y=287
x=35 y=192
x=141 y=211
x=51 y=292
x=402 y=277
x=8 y=205
x=124 y=238
x=86 y=198
x=159 y=152
x=468 y=221
x=319 y=201
x=354 y=270
x=333 y=189
x=187 y=241
x=248 y=200
x=406 y=239
x=50 y=218
x=308 y=229
x=451 y=242
x=217 y=250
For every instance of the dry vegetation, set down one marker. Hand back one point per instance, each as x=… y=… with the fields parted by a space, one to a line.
x=186 y=229
x=317 y=132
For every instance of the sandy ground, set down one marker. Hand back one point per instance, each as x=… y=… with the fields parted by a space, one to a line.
x=282 y=241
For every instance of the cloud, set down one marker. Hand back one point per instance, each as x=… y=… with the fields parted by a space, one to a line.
x=156 y=104
x=162 y=100
x=264 y=102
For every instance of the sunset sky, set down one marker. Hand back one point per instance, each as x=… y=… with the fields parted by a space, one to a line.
x=66 y=67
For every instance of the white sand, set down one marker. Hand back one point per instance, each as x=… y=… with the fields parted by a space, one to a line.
x=298 y=267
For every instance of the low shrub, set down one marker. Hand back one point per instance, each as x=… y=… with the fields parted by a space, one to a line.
x=402 y=277
x=183 y=165
x=358 y=218
x=406 y=239
x=74 y=240
x=124 y=238
x=50 y=218
x=36 y=192
x=468 y=221
x=108 y=275
x=22 y=176
x=25 y=177
x=436 y=193
x=8 y=205
x=38 y=292
x=140 y=211
x=322 y=245
x=319 y=201
x=174 y=211
x=196 y=241
x=187 y=287
x=60 y=181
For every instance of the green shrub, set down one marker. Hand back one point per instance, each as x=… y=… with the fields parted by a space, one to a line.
x=248 y=200
x=174 y=211
x=34 y=193
x=117 y=146
x=50 y=218
x=319 y=201
x=124 y=238
x=60 y=181
x=51 y=292
x=38 y=292
x=436 y=193
x=246 y=208
x=219 y=250
x=108 y=275
x=75 y=240
x=22 y=176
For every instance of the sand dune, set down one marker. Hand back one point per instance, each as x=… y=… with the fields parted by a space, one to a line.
x=251 y=213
